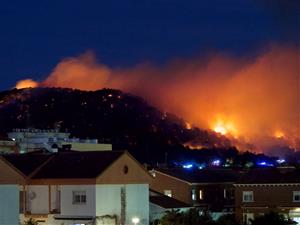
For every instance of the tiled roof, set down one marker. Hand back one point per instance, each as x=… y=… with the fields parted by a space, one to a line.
x=166 y=201
x=77 y=164
x=213 y=175
x=26 y=163
x=270 y=175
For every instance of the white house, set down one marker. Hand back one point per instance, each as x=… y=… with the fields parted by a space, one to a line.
x=85 y=188
x=10 y=180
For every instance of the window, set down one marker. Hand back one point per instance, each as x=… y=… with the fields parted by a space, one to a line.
x=193 y=194
x=247 y=196
x=200 y=194
x=125 y=169
x=168 y=193
x=296 y=196
x=79 y=197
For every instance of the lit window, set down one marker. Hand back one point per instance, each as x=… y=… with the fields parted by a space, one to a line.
x=247 y=196
x=200 y=194
x=168 y=193
x=79 y=197
x=193 y=194
x=296 y=196
x=225 y=193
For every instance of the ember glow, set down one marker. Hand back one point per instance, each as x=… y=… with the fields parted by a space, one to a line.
x=279 y=134
x=188 y=126
x=255 y=96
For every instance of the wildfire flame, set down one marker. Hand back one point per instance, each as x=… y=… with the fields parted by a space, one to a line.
x=278 y=134
x=188 y=126
x=224 y=128
x=219 y=128
x=27 y=83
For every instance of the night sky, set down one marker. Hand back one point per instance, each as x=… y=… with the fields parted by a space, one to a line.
x=36 y=35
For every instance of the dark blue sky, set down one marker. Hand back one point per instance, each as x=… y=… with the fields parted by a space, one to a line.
x=36 y=35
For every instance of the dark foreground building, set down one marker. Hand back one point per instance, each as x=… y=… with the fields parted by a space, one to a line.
x=263 y=190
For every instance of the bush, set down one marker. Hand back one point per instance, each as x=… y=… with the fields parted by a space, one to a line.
x=271 y=218
x=30 y=221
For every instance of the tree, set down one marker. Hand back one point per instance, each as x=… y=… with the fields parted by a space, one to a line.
x=271 y=218
x=228 y=219
x=190 y=217
x=172 y=217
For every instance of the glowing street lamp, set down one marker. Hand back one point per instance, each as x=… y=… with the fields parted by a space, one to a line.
x=135 y=220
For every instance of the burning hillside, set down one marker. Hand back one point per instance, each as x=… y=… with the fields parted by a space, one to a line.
x=252 y=99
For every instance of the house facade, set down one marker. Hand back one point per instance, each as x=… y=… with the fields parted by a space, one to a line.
x=7 y=146
x=10 y=181
x=160 y=204
x=28 y=140
x=85 y=188
x=210 y=190
x=264 y=190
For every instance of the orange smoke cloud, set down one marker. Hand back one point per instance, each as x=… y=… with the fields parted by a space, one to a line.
x=27 y=83
x=252 y=97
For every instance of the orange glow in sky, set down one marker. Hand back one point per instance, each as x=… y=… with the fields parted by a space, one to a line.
x=27 y=83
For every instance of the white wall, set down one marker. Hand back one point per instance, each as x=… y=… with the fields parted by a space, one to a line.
x=38 y=199
x=70 y=209
x=137 y=196
x=108 y=201
x=108 y=198
x=9 y=204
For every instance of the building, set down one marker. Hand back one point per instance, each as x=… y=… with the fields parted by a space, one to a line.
x=82 y=188
x=210 y=190
x=29 y=140
x=10 y=182
x=263 y=190
x=7 y=145
x=160 y=204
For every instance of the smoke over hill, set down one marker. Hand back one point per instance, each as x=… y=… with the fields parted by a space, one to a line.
x=253 y=99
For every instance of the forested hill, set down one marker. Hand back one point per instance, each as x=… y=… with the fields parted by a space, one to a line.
x=111 y=116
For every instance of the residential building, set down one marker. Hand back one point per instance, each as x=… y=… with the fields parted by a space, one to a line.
x=7 y=145
x=82 y=188
x=271 y=189
x=210 y=190
x=160 y=204
x=29 y=140
x=10 y=181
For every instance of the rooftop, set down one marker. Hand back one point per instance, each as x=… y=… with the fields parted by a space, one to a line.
x=166 y=201
x=203 y=176
x=26 y=163
x=270 y=176
x=70 y=164
x=77 y=164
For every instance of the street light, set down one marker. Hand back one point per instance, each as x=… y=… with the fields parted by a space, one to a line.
x=135 y=220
